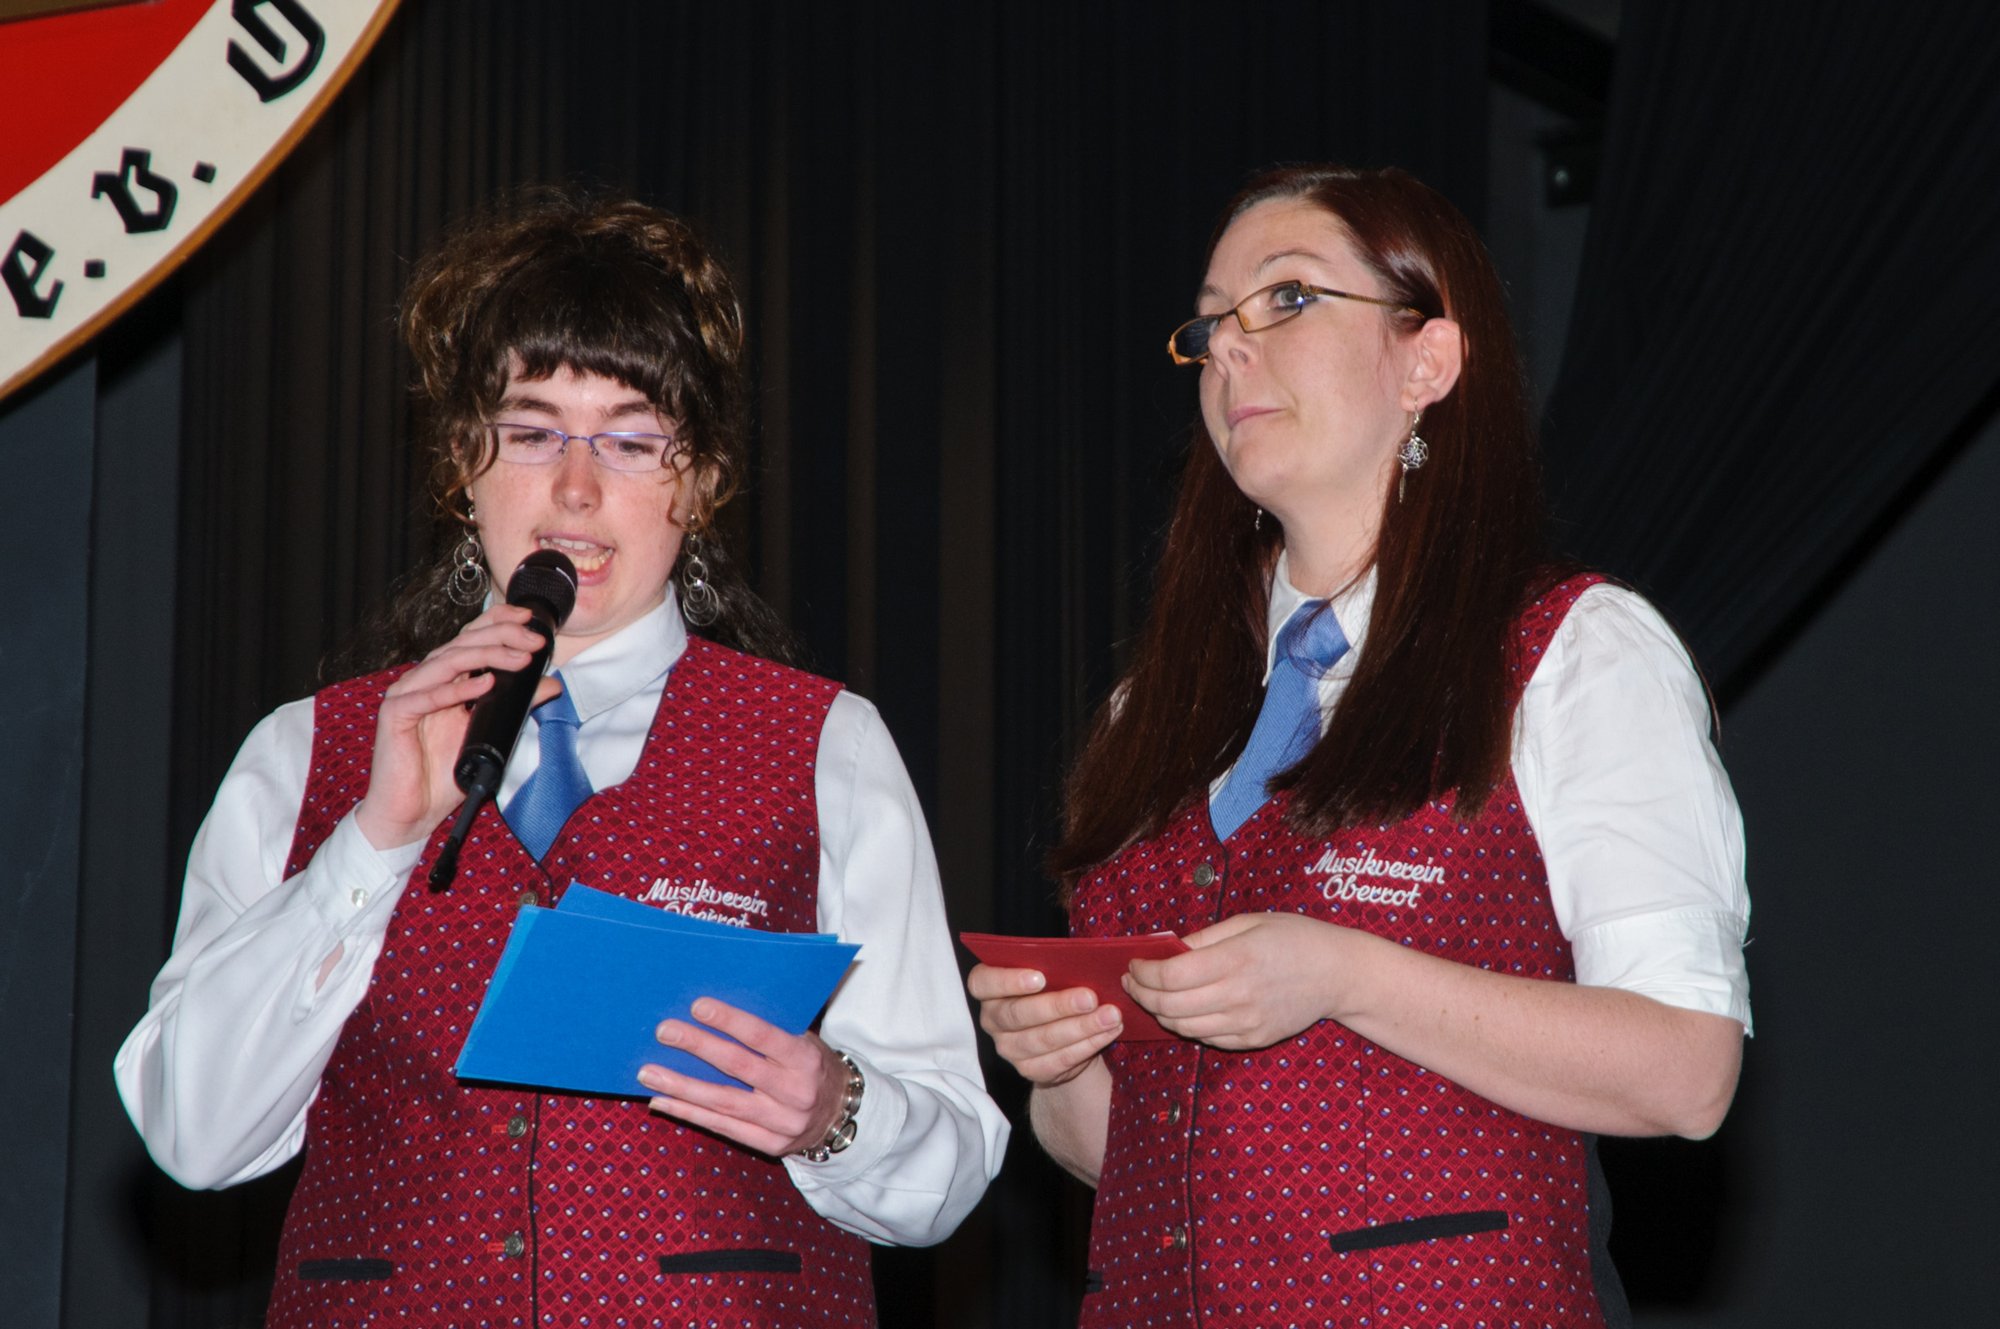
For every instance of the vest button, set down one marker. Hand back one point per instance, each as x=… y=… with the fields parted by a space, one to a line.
x=515 y=1245
x=1204 y=875
x=530 y=896
x=516 y=1127
x=1176 y=1240
x=1174 y=1114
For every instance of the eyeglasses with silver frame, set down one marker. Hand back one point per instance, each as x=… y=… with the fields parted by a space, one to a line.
x=539 y=445
x=1260 y=310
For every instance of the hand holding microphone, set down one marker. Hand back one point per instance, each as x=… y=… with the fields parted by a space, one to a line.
x=545 y=585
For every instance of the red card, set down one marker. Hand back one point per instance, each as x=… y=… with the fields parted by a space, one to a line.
x=1096 y=963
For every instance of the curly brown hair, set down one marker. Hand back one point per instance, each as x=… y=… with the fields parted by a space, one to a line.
x=550 y=279
x=561 y=280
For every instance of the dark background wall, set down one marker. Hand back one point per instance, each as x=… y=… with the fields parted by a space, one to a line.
x=1753 y=274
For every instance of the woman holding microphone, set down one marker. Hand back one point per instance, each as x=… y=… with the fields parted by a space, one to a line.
x=582 y=362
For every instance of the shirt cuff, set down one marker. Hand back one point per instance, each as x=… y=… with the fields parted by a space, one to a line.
x=1690 y=958
x=885 y=1106
x=353 y=886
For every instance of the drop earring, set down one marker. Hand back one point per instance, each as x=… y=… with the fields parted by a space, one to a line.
x=1413 y=454
x=467 y=586
x=698 y=598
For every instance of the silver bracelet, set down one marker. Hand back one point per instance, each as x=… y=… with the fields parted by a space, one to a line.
x=841 y=1133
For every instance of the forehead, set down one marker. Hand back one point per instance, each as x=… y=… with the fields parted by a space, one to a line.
x=1256 y=243
x=572 y=391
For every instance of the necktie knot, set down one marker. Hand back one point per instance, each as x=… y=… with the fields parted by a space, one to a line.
x=558 y=709
x=1311 y=640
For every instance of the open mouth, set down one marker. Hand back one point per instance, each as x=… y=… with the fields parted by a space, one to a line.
x=587 y=555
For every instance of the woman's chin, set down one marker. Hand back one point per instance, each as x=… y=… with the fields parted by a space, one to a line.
x=1268 y=488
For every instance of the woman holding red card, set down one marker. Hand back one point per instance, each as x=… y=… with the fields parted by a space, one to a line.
x=1440 y=821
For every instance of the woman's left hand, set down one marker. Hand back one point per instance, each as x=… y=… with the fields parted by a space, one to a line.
x=1589 y=1058
x=797 y=1083
x=1247 y=982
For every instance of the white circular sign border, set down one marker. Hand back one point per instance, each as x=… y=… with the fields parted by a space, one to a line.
x=193 y=111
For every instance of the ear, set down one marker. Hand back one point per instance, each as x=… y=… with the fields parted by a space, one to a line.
x=694 y=494
x=1440 y=354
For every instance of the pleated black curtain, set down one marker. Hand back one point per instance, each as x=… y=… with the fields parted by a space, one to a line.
x=962 y=233
x=1785 y=319
x=1783 y=332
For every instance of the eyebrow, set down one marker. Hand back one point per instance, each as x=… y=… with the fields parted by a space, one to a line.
x=1209 y=290
x=520 y=401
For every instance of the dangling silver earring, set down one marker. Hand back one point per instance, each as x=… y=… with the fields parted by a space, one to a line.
x=1258 y=523
x=699 y=602
x=467 y=586
x=1413 y=454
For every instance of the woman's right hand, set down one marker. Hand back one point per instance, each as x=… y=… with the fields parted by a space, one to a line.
x=422 y=722
x=1049 y=1037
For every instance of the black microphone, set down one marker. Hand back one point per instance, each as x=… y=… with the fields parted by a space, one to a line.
x=544 y=585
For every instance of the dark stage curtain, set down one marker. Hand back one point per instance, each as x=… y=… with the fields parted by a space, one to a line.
x=1785 y=319
x=962 y=233
x=1783 y=333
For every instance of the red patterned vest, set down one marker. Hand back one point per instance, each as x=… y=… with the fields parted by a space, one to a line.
x=1324 y=1180
x=427 y=1202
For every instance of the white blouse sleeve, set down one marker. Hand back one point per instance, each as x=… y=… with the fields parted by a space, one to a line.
x=219 y=1073
x=928 y=1138
x=1638 y=825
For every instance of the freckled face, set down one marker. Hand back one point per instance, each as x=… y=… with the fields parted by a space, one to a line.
x=1306 y=415
x=622 y=530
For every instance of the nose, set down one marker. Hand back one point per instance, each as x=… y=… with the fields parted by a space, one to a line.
x=1228 y=343
x=576 y=480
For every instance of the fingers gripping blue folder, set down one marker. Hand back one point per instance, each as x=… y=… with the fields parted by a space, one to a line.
x=580 y=988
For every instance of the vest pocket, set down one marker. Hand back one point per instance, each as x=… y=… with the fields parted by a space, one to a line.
x=346 y=1271
x=1428 y=1228
x=732 y=1262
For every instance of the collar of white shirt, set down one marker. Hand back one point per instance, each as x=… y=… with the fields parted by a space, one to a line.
x=1351 y=608
x=613 y=671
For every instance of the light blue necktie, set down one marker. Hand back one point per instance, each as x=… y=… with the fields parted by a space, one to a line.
x=1288 y=723
x=545 y=800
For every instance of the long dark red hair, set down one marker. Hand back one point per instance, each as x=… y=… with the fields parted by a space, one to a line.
x=1428 y=712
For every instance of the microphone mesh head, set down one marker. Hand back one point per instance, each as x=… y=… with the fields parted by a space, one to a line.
x=546 y=576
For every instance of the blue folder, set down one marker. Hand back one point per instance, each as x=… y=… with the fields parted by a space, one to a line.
x=580 y=988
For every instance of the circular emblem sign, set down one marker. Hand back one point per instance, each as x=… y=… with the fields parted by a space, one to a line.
x=131 y=131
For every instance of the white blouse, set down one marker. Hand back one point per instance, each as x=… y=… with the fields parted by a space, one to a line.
x=240 y=1002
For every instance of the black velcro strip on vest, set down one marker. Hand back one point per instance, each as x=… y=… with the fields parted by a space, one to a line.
x=346 y=1271
x=732 y=1262
x=1428 y=1228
